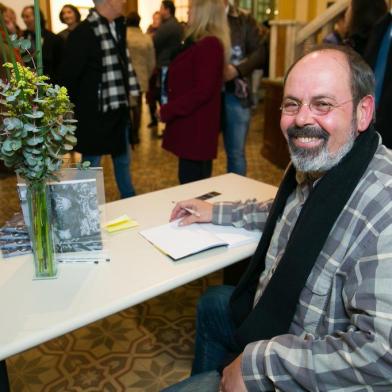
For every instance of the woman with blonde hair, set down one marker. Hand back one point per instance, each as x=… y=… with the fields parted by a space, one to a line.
x=192 y=112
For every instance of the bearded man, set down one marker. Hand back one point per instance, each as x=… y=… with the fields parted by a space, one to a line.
x=313 y=311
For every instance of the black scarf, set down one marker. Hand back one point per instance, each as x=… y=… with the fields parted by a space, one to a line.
x=275 y=310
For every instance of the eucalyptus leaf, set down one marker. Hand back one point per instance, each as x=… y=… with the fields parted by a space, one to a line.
x=16 y=122
x=7 y=145
x=25 y=44
x=8 y=153
x=53 y=153
x=67 y=147
x=16 y=145
x=56 y=136
x=35 y=114
x=31 y=161
x=26 y=58
x=71 y=139
x=33 y=141
x=32 y=150
x=10 y=98
x=31 y=128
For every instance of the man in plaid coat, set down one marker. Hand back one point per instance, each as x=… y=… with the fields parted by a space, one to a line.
x=313 y=310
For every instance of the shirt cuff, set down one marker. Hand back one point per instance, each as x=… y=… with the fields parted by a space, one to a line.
x=222 y=213
x=252 y=367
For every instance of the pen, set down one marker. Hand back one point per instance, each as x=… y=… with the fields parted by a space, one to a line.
x=190 y=210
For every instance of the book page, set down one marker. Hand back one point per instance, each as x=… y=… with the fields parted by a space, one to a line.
x=181 y=241
x=233 y=236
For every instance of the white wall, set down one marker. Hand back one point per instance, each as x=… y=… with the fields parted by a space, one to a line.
x=18 y=6
x=146 y=9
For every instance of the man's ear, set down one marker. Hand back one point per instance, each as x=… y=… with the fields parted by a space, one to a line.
x=365 y=112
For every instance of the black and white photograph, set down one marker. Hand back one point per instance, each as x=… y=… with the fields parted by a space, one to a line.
x=75 y=216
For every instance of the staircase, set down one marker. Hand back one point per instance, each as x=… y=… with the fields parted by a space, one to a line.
x=290 y=39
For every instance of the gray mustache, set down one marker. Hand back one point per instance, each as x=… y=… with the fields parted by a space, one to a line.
x=307 y=131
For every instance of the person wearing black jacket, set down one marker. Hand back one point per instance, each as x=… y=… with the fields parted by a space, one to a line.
x=52 y=45
x=99 y=77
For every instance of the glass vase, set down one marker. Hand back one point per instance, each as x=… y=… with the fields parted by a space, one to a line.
x=40 y=230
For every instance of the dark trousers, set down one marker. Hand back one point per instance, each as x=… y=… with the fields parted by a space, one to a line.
x=189 y=170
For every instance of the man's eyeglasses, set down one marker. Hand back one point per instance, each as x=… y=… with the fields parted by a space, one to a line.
x=319 y=107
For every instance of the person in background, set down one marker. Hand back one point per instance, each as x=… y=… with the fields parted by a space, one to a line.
x=8 y=52
x=313 y=311
x=141 y=50
x=52 y=45
x=361 y=16
x=70 y=16
x=247 y=54
x=156 y=22
x=338 y=35
x=167 y=41
x=152 y=95
x=100 y=78
x=192 y=113
x=13 y=26
x=379 y=55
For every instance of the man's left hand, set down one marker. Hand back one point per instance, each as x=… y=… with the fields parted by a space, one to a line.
x=232 y=380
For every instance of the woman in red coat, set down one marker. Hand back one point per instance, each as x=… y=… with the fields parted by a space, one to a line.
x=192 y=113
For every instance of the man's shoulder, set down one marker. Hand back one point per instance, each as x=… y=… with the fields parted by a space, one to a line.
x=51 y=37
x=171 y=24
x=381 y=165
x=375 y=187
x=83 y=27
x=83 y=30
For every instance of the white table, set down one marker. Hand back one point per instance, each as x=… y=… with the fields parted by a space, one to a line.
x=35 y=311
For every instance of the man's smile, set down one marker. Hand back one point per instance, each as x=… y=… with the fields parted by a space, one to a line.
x=307 y=142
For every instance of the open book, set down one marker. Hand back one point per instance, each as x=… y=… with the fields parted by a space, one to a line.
x=181 y=241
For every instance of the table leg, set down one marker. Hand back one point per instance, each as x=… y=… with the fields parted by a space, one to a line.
x=4 y=383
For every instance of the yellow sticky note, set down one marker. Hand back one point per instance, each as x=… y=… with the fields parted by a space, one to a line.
x=121 y=223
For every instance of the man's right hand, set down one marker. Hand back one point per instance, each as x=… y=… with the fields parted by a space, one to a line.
x=202 y=209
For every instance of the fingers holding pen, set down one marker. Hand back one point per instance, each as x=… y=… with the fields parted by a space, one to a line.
x=192 y=211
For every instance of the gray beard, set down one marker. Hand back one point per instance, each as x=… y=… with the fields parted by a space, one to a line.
x=320 y=159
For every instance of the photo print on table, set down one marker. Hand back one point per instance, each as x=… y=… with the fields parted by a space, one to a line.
x=75 y=216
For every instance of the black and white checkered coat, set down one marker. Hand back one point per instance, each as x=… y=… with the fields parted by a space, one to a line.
x=114 y=93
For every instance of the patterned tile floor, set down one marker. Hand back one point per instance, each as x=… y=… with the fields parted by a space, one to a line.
x=143 y=348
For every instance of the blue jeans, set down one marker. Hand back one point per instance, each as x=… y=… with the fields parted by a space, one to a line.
x=214 y=330
x=235 y=130
x=121 y=171
x=203 y=382
x=214 y=341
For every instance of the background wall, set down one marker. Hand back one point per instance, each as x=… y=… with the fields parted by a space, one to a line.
x=146 y=9
x=17 y=6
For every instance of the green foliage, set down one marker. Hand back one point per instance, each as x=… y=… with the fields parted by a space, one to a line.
x=37 y=128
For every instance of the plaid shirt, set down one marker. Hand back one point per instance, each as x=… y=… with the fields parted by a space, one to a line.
x=340 y=337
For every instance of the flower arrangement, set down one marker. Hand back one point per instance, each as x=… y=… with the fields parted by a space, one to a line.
x=37 y=127
x=36 y=130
